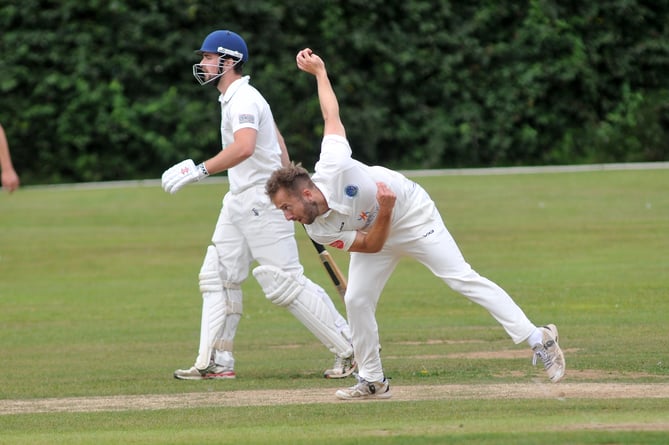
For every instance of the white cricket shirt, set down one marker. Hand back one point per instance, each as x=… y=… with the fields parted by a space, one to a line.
x=242 y=106
x=349 y=186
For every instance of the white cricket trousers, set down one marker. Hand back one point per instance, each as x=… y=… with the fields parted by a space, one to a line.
x=430 y=243
x=250 y=228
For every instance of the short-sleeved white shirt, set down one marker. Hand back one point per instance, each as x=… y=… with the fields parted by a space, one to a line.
x=349 y=188
x=242 y=106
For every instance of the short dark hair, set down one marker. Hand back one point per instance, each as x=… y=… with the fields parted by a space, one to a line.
x=239 y=67
x=292 y=178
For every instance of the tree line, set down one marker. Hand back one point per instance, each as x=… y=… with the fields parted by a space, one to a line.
x=103 y=90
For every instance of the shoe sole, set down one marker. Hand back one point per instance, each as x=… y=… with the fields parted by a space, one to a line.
x=343 y=395
x=221 y=376
x=339 y=376
x=385 y=395
x=180 y=377
x=553 y=329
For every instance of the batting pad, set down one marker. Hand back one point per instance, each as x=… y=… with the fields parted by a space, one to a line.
x=221 y=311
x=283 y=289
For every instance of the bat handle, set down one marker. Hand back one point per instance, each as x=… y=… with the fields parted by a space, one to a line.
x=319 y=247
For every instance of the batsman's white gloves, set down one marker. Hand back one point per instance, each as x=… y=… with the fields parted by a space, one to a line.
x=185 y=172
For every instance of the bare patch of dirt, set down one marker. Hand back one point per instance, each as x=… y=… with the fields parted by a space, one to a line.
x=537 y=390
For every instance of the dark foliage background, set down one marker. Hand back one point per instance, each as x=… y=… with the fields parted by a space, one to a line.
x=102 y=90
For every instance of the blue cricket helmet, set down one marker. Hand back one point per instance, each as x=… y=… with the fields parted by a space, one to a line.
x=226 y=43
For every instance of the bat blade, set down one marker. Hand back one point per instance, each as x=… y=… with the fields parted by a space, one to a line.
x=338 y=278
x=333 y=271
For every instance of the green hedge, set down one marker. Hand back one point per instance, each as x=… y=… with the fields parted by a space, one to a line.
x=103 y=90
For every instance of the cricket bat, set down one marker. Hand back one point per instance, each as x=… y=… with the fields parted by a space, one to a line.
x=331 y=268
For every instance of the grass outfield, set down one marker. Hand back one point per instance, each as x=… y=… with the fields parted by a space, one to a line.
x=99 y=303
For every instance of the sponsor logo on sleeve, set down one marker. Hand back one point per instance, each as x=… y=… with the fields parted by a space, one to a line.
x=247 y=119
x=367 y=218
x=339 y=244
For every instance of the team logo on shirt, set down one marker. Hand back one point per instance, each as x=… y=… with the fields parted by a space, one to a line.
x=247 y=119
x=351 y=190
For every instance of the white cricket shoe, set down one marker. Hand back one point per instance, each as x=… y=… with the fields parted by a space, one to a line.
x=366 y=390
x=213 y=371
x=343 y=367
x=550 y=353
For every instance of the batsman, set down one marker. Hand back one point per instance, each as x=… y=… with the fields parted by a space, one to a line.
x=249 y=227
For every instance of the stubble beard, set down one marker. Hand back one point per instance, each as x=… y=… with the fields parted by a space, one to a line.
x=310 y=211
